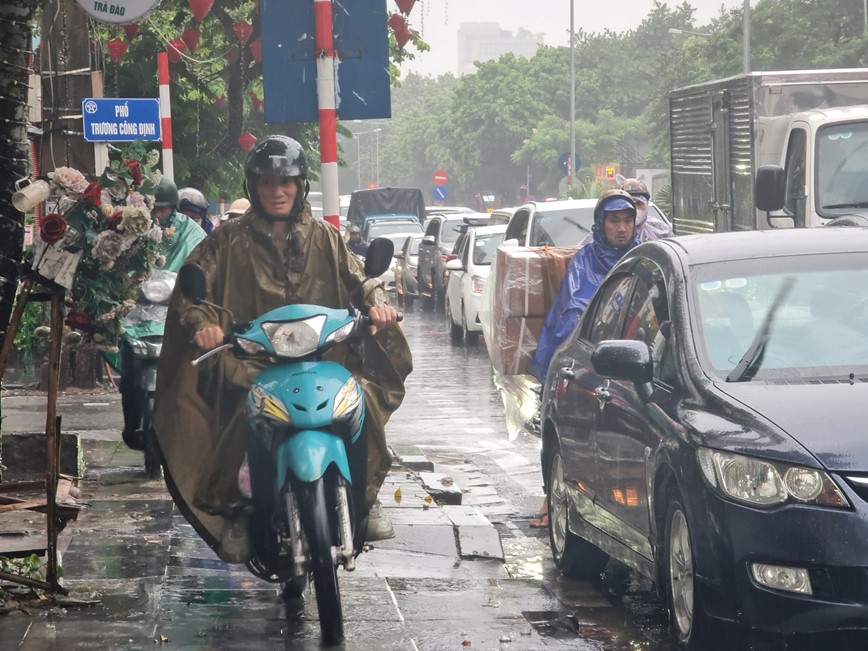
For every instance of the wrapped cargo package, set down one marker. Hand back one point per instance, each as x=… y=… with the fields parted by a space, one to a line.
x=526 y=281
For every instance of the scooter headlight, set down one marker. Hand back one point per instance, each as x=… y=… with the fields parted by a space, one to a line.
x=295 y=338
x=347 y=401
x=261 y=403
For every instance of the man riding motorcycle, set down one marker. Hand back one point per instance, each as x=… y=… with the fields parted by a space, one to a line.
x=275 y=254
x=175 y=248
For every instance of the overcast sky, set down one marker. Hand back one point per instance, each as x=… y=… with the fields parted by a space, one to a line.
x=439 y=20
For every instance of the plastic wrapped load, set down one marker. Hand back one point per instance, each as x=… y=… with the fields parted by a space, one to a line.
x=514 y=306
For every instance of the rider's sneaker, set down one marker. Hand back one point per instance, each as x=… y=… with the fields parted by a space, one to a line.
x=379 y=526
x=235 y=540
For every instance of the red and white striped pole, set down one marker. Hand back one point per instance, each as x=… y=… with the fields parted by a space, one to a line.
x=325 y=91
x=165 y=115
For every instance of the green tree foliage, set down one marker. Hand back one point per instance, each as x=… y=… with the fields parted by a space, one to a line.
x=510 y=120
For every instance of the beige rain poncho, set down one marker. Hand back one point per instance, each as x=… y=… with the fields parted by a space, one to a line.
x=200 y=419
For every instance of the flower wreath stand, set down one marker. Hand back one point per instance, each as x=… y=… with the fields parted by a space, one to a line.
x=58 y=503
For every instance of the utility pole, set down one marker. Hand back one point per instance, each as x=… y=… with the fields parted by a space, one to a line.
x=746 y=36
x=572 y=161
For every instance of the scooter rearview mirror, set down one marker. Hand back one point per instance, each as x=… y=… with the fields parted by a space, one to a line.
x=379 y=257
x=192 y=280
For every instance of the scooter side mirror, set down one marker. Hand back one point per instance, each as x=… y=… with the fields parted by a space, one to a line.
x=192 y=280
x=379 y=257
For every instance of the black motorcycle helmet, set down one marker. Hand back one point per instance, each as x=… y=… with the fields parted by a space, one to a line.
x=277 y=156
x=166 y=194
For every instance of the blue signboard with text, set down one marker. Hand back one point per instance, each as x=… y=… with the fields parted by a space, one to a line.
x=361 y=40
x=114 y=119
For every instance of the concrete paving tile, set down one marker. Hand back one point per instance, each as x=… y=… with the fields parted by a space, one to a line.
x=424 y=539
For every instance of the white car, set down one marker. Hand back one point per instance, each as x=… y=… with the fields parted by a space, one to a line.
x=398 y=239
x=468 y=273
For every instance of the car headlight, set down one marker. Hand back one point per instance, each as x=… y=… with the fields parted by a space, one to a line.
x=477 y=284
x=347 y=400
x=295 y=338
x=341 y=333
x=763 y=483
x=262 y=403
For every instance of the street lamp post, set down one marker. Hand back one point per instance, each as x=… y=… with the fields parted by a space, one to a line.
x=375 y=172
x=572 y=161
x=746 y=37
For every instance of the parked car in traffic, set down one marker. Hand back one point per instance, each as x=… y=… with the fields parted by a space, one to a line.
x=552 y=223
x=406 y=262
x=704 y=424
x=437 y=244
x=501 y=216
x=389 y=277
x=467 y=275
x=378 y=227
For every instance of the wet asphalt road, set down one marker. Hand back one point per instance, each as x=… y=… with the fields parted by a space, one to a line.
x=423 y=590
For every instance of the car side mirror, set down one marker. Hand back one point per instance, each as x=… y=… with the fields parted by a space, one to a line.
x=191 y=277
x=626 y=360
x=510 y=243
x=379 y=257
x=454 y=265
x=399 y=255
x=769 y=190
x=429 y=239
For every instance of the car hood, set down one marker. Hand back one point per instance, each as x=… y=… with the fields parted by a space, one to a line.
x=828 y=420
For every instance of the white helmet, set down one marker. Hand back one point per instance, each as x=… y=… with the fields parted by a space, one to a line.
x=192 y=198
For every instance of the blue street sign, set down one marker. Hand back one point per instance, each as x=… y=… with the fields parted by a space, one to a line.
x=440 y=192
x=361 y=39
x=564 y=158
x=113 y=119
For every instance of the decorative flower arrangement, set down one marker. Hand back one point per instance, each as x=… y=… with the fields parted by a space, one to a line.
x=101 y=242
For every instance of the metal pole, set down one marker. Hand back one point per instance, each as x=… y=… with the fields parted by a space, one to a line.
x=358 y=163
x=325 y=92
x=572 y=161
x=865 y=14
x=165 y=115
x=377 y=131
x=746 y=36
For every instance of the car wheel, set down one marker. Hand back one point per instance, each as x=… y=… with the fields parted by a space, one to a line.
x=689 y=621
x=471 y=338
x=455 y=332
x=575 y=557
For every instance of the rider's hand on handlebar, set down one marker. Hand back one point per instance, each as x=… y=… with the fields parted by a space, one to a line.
x=209 y=338
x=380 y=316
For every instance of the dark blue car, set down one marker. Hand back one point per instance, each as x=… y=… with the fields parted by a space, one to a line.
x=707 y=424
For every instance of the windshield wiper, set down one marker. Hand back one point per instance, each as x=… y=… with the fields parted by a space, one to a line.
x=753 y=356
x=576 y=224
x=855 y=204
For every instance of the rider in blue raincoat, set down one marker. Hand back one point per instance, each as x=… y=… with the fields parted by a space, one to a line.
x=614 y=234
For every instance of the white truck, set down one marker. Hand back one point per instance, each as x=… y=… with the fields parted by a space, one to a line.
x=769 y=150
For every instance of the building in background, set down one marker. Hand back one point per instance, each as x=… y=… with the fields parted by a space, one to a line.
x=487 y=41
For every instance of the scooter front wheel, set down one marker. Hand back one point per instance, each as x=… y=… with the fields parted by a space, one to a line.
x=321 y=536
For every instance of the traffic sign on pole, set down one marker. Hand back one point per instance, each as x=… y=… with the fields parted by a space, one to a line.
x=440 y=177
x=440 y=192
x=112 y=119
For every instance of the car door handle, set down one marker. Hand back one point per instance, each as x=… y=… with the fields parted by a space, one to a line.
x=567 y=371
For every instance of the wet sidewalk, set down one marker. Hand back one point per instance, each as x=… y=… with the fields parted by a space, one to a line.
x=439 y=584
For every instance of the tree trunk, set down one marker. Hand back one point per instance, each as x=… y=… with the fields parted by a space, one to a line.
x=15 y=16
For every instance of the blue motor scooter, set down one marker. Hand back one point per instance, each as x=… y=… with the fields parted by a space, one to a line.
x=308 y=454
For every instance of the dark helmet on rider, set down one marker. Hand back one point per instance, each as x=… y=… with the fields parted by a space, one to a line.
x=166 y=194
x=636 y=188
x=277 y=156
x=355 y=230
x=192 y=199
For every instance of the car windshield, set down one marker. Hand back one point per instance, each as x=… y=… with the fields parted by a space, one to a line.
x=842 y=165
x=387 y=228
x=485 y=246
x=819 y=329
x=451 y=230
x=561 y=227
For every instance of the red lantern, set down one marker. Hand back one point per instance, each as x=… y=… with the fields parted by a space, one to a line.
x=191 y=38
x=242 y=30
x=246 y=141
x=200 y=8
x=176 y=47
x=405 y=6
x=220 y=101
x=397 y=22
x=402 y=36
x=232 y=55
x=256 y=50
x=131 y=30
x=116 y=49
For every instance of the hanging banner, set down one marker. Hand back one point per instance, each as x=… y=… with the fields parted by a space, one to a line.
x=117 y=12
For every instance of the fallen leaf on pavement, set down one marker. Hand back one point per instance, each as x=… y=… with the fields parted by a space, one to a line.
x=398 y=495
